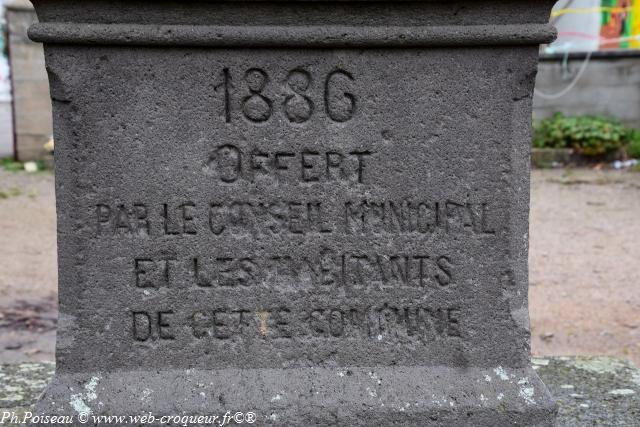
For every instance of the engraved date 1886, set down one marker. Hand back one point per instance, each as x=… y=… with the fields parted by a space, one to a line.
x=294 y=97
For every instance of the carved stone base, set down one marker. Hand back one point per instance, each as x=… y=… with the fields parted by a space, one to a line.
x=407 y=396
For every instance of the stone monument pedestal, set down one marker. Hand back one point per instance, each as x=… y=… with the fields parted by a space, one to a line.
x=316 y=213
x=609 y=393
x=308 y=396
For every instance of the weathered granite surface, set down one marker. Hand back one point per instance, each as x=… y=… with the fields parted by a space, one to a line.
x=590 y=391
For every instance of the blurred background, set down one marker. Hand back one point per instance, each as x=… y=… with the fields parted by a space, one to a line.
x=585 y=187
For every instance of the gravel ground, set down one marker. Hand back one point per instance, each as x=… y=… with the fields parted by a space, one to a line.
x=28 y=267
x=584 y=264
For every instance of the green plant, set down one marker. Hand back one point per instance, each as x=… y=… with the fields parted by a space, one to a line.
x=12 y=192
x=633 y=149
x=591 y=136
x=11 y=165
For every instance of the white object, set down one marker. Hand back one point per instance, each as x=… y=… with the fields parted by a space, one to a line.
x=31 y=167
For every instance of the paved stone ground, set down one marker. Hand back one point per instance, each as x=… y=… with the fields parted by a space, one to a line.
x=592 y=391
x=589 y=391
x=584 y=263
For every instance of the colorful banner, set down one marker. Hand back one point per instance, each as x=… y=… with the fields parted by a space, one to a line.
x=589 y=25
x=620 y=24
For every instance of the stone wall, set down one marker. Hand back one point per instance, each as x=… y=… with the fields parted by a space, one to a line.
x=6 y=128
x=609 y=85
x=32 y=106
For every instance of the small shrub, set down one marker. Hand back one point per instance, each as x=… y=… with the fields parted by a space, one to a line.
x=591 y=136
x=11 y=165
x=633 y=149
